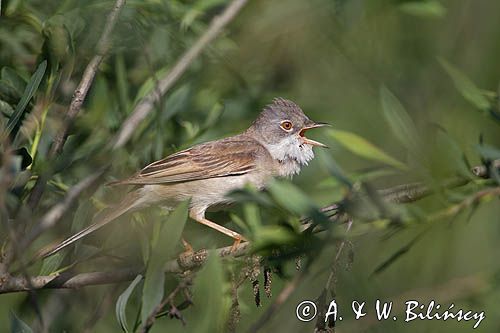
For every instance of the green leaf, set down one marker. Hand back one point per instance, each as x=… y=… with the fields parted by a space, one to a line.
x=200 y=7
x=398 y=119
x=150 y=84
x=5 y=109
x=290 y=197
x=121 y=303
x=17 y=325
x=122 y=81
x=239 y=222
x=176 y=101
x=364 y=175
x=429 y=8
x=273 y=235
x=15 y=80
x=209 y=295
x=162 y=250
x=251 y=194
x=466 y=87
x=214 y=115
x=8 y=93
x=334 y=169
x=363 y=148
x=398 y=254
x=16 y=119
x=488 y=152
x=52 y=263
x=58 y=38
x=252 y=216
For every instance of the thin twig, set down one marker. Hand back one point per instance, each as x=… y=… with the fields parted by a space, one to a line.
x=146 y=104
x=54 y=215
x=330 y=283
x=79 y=96
x=103 y=46
x=282 y=298
x=169 y=300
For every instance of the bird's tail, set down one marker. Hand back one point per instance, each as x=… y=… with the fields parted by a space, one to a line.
x=129 y=203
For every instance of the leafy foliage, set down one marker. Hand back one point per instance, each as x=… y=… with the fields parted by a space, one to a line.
x=336 y=59
x=163 y=246
x=121 y=303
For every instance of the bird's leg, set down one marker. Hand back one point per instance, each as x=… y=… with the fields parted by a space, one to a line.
x=200 y=217
x=237 y=242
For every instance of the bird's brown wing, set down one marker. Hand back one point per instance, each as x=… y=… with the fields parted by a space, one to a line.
x=227 y=157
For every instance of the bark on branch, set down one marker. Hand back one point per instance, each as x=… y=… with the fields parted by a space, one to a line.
x=71 y=280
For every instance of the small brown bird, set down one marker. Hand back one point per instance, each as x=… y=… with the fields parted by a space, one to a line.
x=273 y=146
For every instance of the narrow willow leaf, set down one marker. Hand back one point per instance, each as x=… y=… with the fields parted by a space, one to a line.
x=427 y=8
x=209 y=295
x=163 y=248
x=363 y=148
x=30 y=90
x=150 y=84
x=52 y=263
x=197 y=10
x=239 y=222
x=398 y=254
x=8 y=93
x=466 y=87
x=15 y=80
x=488 y=152
x=122 y=82
x=5 y=109
x=450 y=154
x=252 y=216
x=214 y=115
x=17 y=325
x=121 y=303
x=273 y=235
x=398 y=119
x=334 y=169
x=290 y=197
x=176 y=101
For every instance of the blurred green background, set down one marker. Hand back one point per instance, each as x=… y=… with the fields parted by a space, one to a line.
x=331 y=57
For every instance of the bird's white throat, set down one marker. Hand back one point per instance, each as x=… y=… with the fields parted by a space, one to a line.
x=292 y=154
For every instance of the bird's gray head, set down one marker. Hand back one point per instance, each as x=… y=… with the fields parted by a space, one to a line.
x=281 y=128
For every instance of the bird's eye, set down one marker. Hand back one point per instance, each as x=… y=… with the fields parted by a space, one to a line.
x=286 y=125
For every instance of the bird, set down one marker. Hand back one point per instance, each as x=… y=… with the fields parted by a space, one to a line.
x=274 y=146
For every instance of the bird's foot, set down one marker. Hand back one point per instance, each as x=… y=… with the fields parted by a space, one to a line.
x=188 y=249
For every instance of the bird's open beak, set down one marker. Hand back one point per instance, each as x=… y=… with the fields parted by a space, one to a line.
x=309 y=141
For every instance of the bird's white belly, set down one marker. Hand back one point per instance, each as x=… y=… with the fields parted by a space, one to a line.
x=203 y=193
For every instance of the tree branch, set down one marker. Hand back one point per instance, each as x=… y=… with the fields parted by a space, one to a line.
x=79 y=97
x=145 y=105
x=193 y=260
x=81 y=91
x=69 y=280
